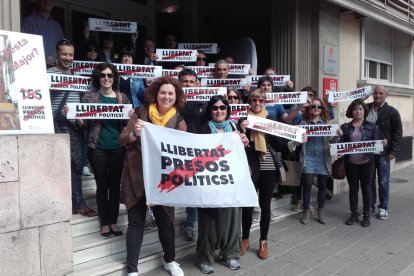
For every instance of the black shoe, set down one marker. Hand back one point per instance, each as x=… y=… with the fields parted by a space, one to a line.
x=365 y=221
x=106 y=234
x=116 y=233
x=352 y=220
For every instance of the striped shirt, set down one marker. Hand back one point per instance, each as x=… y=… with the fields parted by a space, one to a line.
x=267 y=164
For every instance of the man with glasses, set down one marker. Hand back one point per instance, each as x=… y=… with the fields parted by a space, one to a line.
x=59 y=99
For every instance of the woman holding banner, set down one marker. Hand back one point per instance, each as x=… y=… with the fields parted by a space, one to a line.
x=264 y=165
x=105 y=154
x=359 y=168
x=164 y=97
x=316 y=160
x=219 y=228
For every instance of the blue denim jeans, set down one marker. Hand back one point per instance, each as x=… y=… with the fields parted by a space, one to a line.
x=382 y=166
x=191 y=217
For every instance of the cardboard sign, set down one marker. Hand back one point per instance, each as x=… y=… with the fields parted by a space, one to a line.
x=208 y=48
x=238 y=111
x=172 y=73
x=113 y=26
x=320 y=130
x=195 y=170
x=84 y=67
x=140 y=71
x=350 y=95
x=375 y=146
x=275 y=128
x=278 y=80
x=202 y=71
x=286 y=98
x=69 y=82
x=239 y=69
x=203 y=94
x=174 y=55
x=25 y=106
x=98 y=111
x=236 y=83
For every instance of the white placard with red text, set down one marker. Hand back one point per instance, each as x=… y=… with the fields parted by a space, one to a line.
x=139 y=71
x=278 y=80
x=239 y=69
x=375 y=146
x=203 y=94
x=175 y=55
x=208 y=48
x=195 y=170
x=69 y=82
x=84 y=67
x=98 y=111
x=25 y=106
x=170 y=72
x=286 y=98
x=349 y=95
x=202 y=71
x=238 y=111
x=236 y=83
x=275 y=128
x=320 y=130
x=113 y=26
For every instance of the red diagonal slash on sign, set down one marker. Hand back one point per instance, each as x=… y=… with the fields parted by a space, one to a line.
x=88 y=113
x=172 y=56
x=64 y=84
x=33 y=112
x=168 y=186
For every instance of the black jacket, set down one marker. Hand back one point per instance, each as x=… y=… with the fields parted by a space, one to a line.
x=389 y=126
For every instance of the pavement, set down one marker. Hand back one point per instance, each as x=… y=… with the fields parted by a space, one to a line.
x=384 y=248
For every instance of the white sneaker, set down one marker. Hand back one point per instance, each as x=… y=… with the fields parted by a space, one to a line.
x=382 y=214
x=274 y=216
x=86 y=171
x=133 y=274
x=174 y=269
x=256 y=216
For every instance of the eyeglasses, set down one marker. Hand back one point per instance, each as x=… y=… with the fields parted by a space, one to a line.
x=254 y=100
x=109 y=75
x=201 y=59
x=317 y=107
x=91 y=50
x=221 y=107
x=232 y=97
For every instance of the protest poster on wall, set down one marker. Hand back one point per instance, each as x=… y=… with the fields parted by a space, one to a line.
x=84 y=67
x=275 y=128
x=113 y=26
x=203 y=94
x=139 y=71
x=24 y=91
x=278 y=80
x=238 y=111
x=342 y=96
x=286 y=98
x=320 y=130
x=357 y=147
x=208 y=48
x=195 y=170
x=236 y=83
x=66 y=82
x=98 y=111
x=202 y=71
x=173 y=55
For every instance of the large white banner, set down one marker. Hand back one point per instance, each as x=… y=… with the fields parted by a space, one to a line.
x=349 y=95
x=203 y=94
x=208 y=48
x=375 y=146
x=171 y=55
x=275 y=128
x=113 y=26
x=24 y=91
x=195 y=170
x=98 y=111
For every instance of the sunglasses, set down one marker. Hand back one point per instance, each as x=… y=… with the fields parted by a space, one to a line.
x=201 y=59
x=65 y=42
x=221 y=107
x=317 y=107
x=91 y=50
x=232 y=97
x=254 y=100
x=109 y=75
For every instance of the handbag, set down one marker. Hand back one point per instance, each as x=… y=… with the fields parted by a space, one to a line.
x=338 y=168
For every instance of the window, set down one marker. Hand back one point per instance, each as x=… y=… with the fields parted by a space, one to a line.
x=377 y=70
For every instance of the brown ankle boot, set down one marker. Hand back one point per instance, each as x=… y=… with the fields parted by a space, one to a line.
x=263 y=250
x=245 y=247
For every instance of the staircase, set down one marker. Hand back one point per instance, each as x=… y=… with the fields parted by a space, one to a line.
x=95 y=255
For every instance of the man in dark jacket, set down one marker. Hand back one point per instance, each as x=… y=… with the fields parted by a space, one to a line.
x=388 y=120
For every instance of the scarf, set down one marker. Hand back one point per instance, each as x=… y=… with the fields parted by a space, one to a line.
x=158 y=119
x=257 y=137
x=226 y=126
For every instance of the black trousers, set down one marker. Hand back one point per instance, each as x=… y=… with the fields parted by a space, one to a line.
x=107 y=167
x=135 y=232
x=307 y=182
x=360 y=175
x=265 y=184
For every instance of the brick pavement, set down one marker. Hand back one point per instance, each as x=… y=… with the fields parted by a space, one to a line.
x=384 y=248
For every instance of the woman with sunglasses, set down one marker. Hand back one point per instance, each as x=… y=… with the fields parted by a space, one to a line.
x=164 y=97
x=234 y=95
x=264 y=165
x=219 y=228
x=201 y=58
x=316 y=160
x=105 y=154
